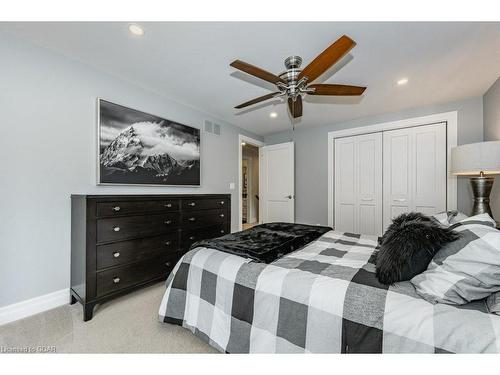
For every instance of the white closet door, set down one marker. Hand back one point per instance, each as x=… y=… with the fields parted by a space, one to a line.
x=398 y=176
x=358 y=184
x=345 y=185
x=430 y=169
x=414 y=170
x=369 y=184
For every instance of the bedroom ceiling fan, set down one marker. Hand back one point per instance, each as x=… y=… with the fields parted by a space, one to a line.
x=294 y=82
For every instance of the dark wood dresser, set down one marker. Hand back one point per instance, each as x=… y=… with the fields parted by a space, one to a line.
x=122 y=242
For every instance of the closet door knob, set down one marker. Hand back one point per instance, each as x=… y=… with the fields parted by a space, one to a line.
x=168 y=222
x=116 y=254
x=168 y=264
x=168 y=205
x=116 y=280
x=221 y=215
x=192 y=204
x=116 y=208
x=167 y=243
x=223 y=231
x=192 y=219
x=116 y=229
x=221 y=202
x=191 y=238
x=289 y=197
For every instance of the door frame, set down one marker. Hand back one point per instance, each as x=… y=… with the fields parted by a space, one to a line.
x=451 y=120
x=253 y=142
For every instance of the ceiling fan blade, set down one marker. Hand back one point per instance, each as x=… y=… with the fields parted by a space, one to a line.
x=295 y=106
x=256 y=71
x=340 y=90
x=258 y=100
x=327 y=58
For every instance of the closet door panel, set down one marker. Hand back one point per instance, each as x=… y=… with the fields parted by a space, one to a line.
x=369 y=152
x=398 y=167
x=345 y=184
x=430 y=169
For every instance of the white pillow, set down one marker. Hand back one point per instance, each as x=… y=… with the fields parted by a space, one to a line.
x=466 y=269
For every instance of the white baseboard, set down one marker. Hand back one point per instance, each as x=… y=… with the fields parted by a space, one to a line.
x=33 y=306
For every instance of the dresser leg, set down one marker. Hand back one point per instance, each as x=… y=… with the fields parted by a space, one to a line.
x=73 y=300
x=88 y=311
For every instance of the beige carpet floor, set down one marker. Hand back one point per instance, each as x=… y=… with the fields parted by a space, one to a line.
x=128 y=324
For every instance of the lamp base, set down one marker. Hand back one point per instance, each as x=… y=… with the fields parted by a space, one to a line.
x=481 y=188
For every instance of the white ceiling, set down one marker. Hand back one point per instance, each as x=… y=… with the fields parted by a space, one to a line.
x=189 y=62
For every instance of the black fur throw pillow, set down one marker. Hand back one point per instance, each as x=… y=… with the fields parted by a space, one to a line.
x=408 y=246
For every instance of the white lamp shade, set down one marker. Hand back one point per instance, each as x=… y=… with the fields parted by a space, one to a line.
x=474 y=158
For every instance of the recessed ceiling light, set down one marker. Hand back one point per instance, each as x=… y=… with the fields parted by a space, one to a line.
x=243 y=143
x=273 y=115
x=402 y=81
x=135 y=29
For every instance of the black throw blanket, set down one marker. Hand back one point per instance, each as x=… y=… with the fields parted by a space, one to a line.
x=266 y=242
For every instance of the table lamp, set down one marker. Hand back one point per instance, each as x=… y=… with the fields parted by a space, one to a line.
x=480 y=161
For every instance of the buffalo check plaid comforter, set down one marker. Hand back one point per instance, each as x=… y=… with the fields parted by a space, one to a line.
x=323 y=298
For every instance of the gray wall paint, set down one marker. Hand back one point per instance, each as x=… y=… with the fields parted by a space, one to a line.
x=491 y=106
x=311 y=154
x=48 y=151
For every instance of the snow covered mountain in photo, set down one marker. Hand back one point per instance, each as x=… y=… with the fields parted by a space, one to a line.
x=153 y=153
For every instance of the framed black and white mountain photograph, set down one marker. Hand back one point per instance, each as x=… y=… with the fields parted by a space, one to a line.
x=136 y=148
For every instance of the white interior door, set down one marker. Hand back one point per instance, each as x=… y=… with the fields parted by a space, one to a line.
x=358 y=184
x=369 y=181
x=345 y=185
x=276 y=183
x=414 y=170
x=398 y=175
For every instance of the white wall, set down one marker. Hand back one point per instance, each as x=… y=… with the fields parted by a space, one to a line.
x=311 y=152
x=48 y=152
x=491 y=106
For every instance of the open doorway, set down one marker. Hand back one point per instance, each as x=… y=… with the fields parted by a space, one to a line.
x=249 y=182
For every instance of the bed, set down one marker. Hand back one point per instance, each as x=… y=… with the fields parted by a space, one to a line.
x=322 y=298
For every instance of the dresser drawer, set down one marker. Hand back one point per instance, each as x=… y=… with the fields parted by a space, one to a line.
x=190 y=237
x=118 y=278
x=203 y=203
x=123 y=252
x=121 y=228
x=134 y=207
x=204 y=218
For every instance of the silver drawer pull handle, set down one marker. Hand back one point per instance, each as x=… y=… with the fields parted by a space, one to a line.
x=192 y=204
x=168 y=205
x=167 y=243
x=399 y=200
x=168 y=222
x=116 y=229
x=191 y=238
x=168 y=264
x=116 y=254
x=221 y=215
x=116 y=280
x=116 y=208
x=366 y=199
x=192 y=219
x=221 y=202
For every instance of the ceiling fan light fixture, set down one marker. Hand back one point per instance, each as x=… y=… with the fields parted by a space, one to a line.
x=295 y=83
